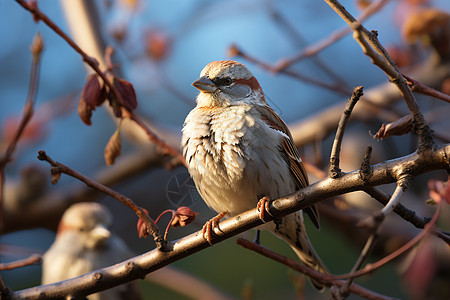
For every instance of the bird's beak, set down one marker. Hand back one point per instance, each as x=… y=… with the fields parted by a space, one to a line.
x=204 y=84
x=98 y=236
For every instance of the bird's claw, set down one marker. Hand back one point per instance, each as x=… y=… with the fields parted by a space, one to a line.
x=263 y=208
x=209 y=227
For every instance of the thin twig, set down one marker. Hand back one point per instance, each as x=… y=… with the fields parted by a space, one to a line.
x=36 y=49
x=151 y=226
x=335 y=171
x=300 y=42
x=235 y=51
x=92 y=62
x=426 y=90
x=393 y=202
x=33 y=259
x=369 y=268
x=371 y=46
x=400 y=209
x=373 y=7
x=167 y=149
x=376 y=221
x=310 y=272
x=32 y=7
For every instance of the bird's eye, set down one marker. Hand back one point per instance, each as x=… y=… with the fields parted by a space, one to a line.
x=227 y=81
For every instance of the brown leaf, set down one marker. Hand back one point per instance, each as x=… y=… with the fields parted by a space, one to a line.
x=400 y=127
x=112 y=149
x=126 y=91
x=85 y=112
x=92 y=95
x=92 y=92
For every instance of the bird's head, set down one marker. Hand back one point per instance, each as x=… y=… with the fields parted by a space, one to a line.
x=226 y=83
x=89 y=221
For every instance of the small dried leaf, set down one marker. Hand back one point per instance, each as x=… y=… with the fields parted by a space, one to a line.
x=85 y=112
x=112 y=149
x=55 y=174
x=92 y=95
x=127 y=93
x=400 y=127
x=92 y=92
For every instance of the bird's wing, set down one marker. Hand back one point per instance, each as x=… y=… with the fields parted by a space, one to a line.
x=291 y=156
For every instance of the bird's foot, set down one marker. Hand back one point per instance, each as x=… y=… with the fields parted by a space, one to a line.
x=212 y=224
x=263 y=208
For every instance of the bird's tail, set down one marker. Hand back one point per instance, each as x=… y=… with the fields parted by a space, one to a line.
x=293 y=231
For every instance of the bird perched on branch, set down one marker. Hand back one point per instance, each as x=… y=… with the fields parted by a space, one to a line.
x=83 y=244
x=239 y=151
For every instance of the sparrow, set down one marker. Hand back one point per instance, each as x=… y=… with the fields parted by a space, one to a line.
x=240 y=154
x=83 y=244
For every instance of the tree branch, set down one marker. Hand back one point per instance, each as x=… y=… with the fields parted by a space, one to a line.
x=137 y=267
x=335 y=171
x=371 y=46
x=58 y=168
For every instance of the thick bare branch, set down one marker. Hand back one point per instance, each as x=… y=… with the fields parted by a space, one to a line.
x=137 y=267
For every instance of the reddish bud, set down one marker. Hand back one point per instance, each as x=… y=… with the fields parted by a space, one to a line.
x=130 y=4
x=113 y=147
x=119 y=33
x=446 y=86
x=142 y=227
x=157 y=44
x=400 y=127
x=363 y=4
x=439 y=191
x=401 y=55
x=183 y=216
